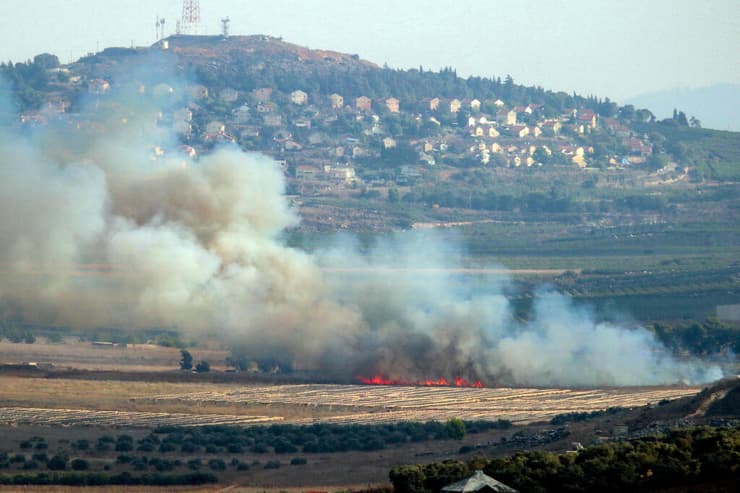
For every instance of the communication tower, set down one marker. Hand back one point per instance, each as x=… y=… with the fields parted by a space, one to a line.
x=225 y=27
x=159 y=28
x=190 y=21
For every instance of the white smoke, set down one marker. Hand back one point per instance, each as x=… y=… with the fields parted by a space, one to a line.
x=96 y=233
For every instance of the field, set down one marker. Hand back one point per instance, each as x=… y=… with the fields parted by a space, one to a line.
x=96 y=393
x=32 y=401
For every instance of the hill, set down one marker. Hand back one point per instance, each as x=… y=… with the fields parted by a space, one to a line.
x=713 y=105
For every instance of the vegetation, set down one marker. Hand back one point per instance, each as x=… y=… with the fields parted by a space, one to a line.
x=318 y=438
x=685 y=457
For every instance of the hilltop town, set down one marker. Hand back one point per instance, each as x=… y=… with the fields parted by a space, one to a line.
x=343 y=127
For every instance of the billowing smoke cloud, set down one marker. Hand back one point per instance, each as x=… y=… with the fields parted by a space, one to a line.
x=94 y=232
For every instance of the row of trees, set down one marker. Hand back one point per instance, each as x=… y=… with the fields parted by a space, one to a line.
x=319 y=438
x=680 y=458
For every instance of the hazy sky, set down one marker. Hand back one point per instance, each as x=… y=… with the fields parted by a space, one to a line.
x=615 y=48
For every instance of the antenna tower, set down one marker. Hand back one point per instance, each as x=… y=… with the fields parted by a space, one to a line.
x=190 y=21
x=225 y=27
x=159 y=28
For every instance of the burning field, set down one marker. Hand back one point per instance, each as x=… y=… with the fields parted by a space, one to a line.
x=64 y=402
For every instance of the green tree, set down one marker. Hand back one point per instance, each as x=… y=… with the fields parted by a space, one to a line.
x=203 y=367
x=455 y=428
x=186 y=362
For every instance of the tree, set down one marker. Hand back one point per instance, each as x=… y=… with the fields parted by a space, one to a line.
x=455 y=428
x=186 y=363
x=203 y=367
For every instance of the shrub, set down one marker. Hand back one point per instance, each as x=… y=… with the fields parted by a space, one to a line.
x=217 y=465
x=81 y=444
x=40 y=457
x=298 y=461
x=79 y=465
x=57 y=463
x=273 y=464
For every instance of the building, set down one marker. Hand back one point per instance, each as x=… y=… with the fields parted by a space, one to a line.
x=337 y=101
x=392 y=104
x=363 y=103
x=455 y=105
x=506 y=117
x=430 y=104
x=298 y=97
x=478 y=483
x=262 y=94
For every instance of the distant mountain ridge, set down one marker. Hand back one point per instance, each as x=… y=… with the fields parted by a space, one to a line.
x=715 y=106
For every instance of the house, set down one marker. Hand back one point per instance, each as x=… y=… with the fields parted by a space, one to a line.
x=305 y=171
x=551 y=128
x=519 y=131
x=473 y=104
x=392 y=104
x=455 y=105
x=535 y=131
x=363 y=103
x=344 y=174
x=215 y=127
x=587 y=117
x=336 y=100
x=250 y=132
x=241 y=114
x=522 y=109
x=389 y=143
x=427 y=159
x=229 y=95
x=262 y=94
x=272 y=119
x=298 y=97
x=98 y=86
x=499 y=104
x=266 y=107
x=506 y=117
x=430 y=104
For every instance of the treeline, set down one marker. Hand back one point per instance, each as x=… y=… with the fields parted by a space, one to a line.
x=409 y=86
x=318 y=438
x=103 y=479
x=706 y=338
x=29 y=80
x=447 y=195
x=680 y=458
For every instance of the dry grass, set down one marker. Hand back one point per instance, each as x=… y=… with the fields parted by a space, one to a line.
x=115 y=403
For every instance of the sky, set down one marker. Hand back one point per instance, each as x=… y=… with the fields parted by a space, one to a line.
x=617 y=48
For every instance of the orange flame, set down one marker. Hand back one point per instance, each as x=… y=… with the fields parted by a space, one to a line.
x=440 y=382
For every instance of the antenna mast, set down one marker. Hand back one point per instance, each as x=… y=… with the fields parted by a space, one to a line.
x=225 y=27
x=190 y=21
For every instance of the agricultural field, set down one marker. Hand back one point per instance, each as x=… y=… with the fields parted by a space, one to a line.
x=140 y=404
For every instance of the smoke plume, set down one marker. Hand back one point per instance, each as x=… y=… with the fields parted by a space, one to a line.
x=97 y=232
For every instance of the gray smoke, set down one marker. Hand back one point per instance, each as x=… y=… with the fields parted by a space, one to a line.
x=95 y=232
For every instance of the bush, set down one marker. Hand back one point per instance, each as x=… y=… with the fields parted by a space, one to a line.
x=455 y=428
x=217 y=465
x=81 y=444
x=298 y=461
x=57 y=463
x=273 y=464
x=79 y=465
x=40 y=457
